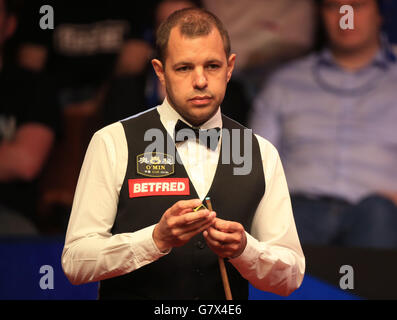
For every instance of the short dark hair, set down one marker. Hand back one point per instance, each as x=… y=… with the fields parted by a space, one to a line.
x=378 y=2
x=193 y=22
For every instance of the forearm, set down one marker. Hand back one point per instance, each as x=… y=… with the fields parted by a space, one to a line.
x=8 y=167
x=91 y=251
x=16 y=163
x=269 y=267
x=96 y=257
x=24 y=156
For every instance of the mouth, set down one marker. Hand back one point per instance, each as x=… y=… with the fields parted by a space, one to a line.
x=201 y=100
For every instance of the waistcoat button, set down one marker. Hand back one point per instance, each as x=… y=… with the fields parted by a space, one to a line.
x=200 y=244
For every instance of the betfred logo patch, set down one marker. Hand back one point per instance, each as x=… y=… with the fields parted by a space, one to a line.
x=158 y=187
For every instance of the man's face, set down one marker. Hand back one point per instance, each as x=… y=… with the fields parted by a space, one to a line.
x=195 y=74
x=367 y=23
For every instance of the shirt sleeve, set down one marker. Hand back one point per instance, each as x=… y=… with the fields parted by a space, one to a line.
x=273 y=259
x=91 y=252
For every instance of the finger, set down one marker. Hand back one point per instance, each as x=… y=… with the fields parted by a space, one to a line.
x=224 y=250
x=211 y=242
x=190 y=220
x=187 y=218
x=228 y=226
x=194 y=216
x=223 y=237
x=196 y=225
x=220 y=249
x=191 y=234
x=181 y=206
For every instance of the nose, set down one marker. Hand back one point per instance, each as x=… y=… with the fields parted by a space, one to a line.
x=200 y=79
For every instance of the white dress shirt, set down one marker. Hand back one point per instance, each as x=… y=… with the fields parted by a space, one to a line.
x=272 y=260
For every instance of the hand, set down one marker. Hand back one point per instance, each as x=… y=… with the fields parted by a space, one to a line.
x=179 y=224
x=226 y=238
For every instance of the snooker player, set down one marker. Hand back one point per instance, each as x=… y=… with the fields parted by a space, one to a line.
x=133 y=226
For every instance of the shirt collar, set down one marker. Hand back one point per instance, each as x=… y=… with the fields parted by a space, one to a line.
x=169 y=116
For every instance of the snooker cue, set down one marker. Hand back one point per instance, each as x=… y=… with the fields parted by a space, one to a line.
x=222 y=268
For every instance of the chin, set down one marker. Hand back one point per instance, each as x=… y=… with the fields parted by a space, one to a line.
x=196 y=120
x=199 y=118
x=348 y=46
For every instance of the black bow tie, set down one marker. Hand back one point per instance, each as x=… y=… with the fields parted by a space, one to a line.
x=209 y=138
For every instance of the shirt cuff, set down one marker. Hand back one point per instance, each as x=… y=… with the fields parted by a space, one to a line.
x=249 y=255
x=145 y=250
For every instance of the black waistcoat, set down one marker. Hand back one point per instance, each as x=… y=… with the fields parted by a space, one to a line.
x=190 y=271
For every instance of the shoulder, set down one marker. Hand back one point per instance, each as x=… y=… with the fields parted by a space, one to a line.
x=138 y=124
x=141 y=117
x=110 y=134
x=293 y=71
x=272 y=166
x=393 y=71
x=291 y=78
x=266 y=147
x=109 y=146
x=229 y=123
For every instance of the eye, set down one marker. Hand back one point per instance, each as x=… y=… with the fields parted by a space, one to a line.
x=183 y=68
x=213 y=66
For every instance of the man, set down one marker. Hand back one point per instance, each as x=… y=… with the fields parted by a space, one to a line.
x=139 y=235
x=145 y=89
x=28 y=122
x=332 y=115
x=83 y=51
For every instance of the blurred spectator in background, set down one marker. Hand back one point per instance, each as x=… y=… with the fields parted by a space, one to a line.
x=265 y=34
x=131 y=93
x=332 y=116
x=28 y=122
x=91 y=42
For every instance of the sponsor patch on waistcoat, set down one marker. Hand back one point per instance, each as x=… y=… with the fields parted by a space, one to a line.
x=158 y=187
x=155 y=164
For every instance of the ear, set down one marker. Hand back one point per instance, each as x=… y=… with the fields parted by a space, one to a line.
x=159 y=69
x=230 y=65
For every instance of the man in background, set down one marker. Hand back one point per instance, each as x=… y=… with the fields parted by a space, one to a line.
x=28 y=123
x=332 y=115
